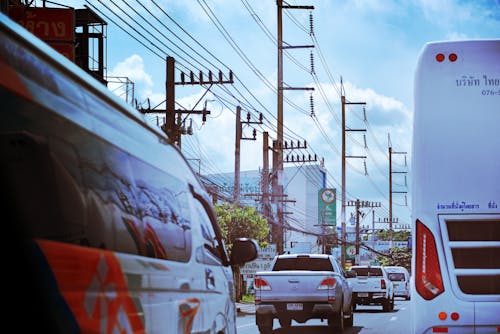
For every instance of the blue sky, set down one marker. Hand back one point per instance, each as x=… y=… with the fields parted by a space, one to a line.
x=373 y=45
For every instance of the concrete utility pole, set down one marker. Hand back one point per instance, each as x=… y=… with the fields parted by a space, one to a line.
x=391 y=221
x=278 y=167
x=236 y=189
x=277 y=187
x=238 y=139
x=358 y=205
x=265 y=175
x=170 y=101
x=342 y=214
x=170 y=127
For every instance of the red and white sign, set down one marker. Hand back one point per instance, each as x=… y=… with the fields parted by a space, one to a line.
x=55 y=26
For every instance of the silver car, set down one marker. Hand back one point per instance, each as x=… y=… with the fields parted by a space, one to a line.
x=400 y=278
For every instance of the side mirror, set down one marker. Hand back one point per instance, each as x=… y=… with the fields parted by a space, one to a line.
x=351 y=274
x=243 y=250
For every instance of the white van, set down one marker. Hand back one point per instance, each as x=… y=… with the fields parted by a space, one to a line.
x=110 y=231
x=400 y=278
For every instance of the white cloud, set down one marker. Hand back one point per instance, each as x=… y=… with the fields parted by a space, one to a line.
x=132 y=68
x=455 y=36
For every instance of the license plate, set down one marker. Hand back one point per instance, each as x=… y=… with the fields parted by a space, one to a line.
x=294 y=307
x=362 y=294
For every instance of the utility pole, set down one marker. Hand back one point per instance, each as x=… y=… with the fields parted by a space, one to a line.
x=361 y=204
x=391 y=152
x=238 y=139
x=170 y=127
x=373 y=228
x=278 y=167
x=237 y=157
x=277 y=187
x=342 y=217
x=265 y=175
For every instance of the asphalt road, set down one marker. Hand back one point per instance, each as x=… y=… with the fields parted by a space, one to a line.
x=367 y=320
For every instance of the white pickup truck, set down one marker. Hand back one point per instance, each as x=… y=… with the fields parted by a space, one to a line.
x=372 y=286
x=301 y=287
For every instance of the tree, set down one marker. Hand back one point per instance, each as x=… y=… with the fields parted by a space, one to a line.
x=241 y=222
x=396 y=235
x=396 y=257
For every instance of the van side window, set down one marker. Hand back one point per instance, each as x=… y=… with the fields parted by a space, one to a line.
x=209 y=237
x=163 y=213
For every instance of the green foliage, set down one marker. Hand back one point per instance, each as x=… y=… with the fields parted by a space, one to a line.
x=396 y=235
x=247 y=299
x=241 y=222
x=396 y=257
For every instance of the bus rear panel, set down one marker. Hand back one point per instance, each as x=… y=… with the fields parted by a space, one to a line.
x=456 y=188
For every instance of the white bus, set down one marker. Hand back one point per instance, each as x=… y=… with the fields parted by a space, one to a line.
x=456 y=188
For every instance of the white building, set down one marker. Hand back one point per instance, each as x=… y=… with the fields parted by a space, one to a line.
x=302 y=185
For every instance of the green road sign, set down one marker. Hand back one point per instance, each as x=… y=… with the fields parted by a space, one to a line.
x=327 y=207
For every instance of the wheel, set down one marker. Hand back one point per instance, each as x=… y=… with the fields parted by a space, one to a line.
x=265 y=330
x=391 y=307
x=285 y=322
x=337 y=320
x=265 y=323
x=350 y=321
x=386 y=305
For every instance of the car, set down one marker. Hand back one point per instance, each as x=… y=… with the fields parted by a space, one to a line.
x=372 y=286
x=400 y=278
x=301 y=287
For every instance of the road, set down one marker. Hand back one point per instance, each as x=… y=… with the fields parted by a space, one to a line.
x=367 y=320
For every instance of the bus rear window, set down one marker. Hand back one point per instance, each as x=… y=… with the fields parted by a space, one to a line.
x=473 y=230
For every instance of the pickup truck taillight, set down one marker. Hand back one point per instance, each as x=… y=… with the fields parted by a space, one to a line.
x=382 y=284
x=260 y=283
x=327 y=283
x=428 y=280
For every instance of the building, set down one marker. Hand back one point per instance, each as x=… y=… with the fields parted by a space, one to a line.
x=302 y=185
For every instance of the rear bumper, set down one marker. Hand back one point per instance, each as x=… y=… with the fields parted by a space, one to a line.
x=405 y=294
x=369 y=297
x=310 y=309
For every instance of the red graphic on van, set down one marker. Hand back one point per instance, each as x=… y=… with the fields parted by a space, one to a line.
x=93 y=285
x=146 y=241
x=188 y=310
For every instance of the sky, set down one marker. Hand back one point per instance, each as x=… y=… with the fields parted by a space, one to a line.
x=366 y=49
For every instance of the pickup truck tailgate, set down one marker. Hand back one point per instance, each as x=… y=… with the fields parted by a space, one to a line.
x=295 y=285
x=363 y=283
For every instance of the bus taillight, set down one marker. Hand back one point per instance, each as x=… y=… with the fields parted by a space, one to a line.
x=428 y=279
